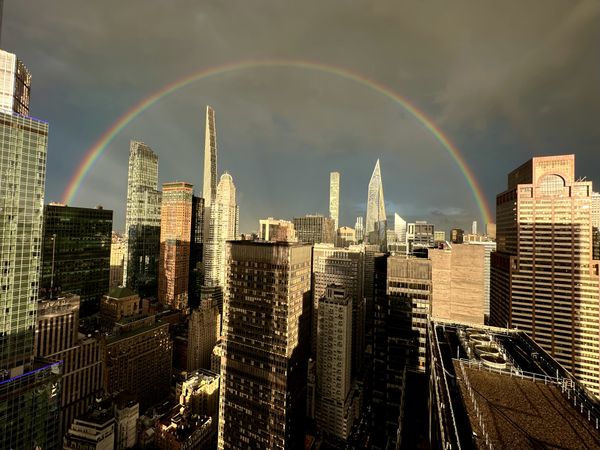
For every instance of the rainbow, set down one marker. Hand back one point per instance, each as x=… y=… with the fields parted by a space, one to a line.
x=92 y=155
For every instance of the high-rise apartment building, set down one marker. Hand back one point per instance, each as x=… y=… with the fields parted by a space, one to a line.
x=345 y=268
x=224 y=222
x=489 y=247
x=142 y=221
x=29 y=391
x=266 y=329
x=335 y=412
x=15 y=85
x=474 y=227
x=376 y=222
x=544 y=278
x=334 y=197
x=196 y=251
x=175 y=237
x=458 y=279
x=57 y=338
x=596 y=225
x=209 y=187
x=76 y=253
x=345 y=237
x=315 y=229
x=204 y=330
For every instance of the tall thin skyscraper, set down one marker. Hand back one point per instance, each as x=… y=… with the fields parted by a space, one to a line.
x=376 y=219
x=266 y=329
x=175 y=236
x=142 y=221
x=544 y=279
x=334 y=197
x=223 y=228
x=210 y=159
x=359 y=228
x=29 y=391
x=474 y=227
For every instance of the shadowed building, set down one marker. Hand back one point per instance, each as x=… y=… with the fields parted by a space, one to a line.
x=117 y=260
x=76 y=253
x=265 y=338
x=544 y=278
x=315 y=229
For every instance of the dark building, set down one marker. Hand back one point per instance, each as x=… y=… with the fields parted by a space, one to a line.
x=457 y=236
x=76 y=253
x=266 y=343
x=196 y=243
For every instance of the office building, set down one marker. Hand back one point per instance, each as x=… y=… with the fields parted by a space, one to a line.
x=457 y=235
x=224 y=224
x=315 y=229
x=400 y=228
x=402 y=291
x=271 y=229
x=596 y=225
x=15 y=86
x=94 y=430
x=420 y=235
x=175 y=237
x=504 y=392
x=490 y=231
x=376 y=222
x=458 y=279
x=119 y=303
x=142 y=221
x=345 y=268
x=334 y=198
x=489 y=247
x=439 y=236
x=544 y=279
x=29 y=390
x=137 y=357
x=196 y=277
x=117 y=260
x=334 y=406
x=266 y=332
x=127 y=413
x=345 y=237
x=204 y=330
x=359 y=227
x=76 y=253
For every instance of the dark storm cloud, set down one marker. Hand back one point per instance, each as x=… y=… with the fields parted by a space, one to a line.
x=505 y=80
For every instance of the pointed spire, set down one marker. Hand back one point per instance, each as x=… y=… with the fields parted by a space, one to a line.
x=375 y=201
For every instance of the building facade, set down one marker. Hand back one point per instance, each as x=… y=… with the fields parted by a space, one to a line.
x=315 y=229
x=175 y=238
x=271 y=229
x=117 y=260
x=334 y=198
x=76 y=253
x=142 y=221
x=376 y=222
x=266 y=332
x=544 y=279
x=204 y=330
x=15 y=85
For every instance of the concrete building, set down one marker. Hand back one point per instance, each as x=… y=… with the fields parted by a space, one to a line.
x=359 y=228
x=335 y=412
x=57 y=339
x=276 y=230
x=117 y=260
x=334 y=198
x=458 y=279
x=119 y=303
x=315 y=229
x=175 y=238
x=497 y=388
x=76 y=253
x=420 y=235
x=142 y=221
x=376 y=222
x=400 y=228
x=199 y=391
x=544 y=278
x=490 y=230
x=266 y=332
x=490 y=247
x=93 y=431
x=342 y=267
x=439 y=236
x=127 y=413
x=345 y=236
x=204 y=330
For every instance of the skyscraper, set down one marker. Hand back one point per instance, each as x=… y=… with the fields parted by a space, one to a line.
x=400 y=228
x=175 y=236
x=29 y=390
x=474 y=227
x=223 y=227
x=142 y=221
x=265 y=336
x=76 y=253
x=210 y=159
x=334 y=197
x=359 y=227
x=375 y=225
x=315 y=229
x=544 y=279
x=117 y=260
x=15 y=86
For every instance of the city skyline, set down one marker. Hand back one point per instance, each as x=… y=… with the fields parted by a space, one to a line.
x=432 y=75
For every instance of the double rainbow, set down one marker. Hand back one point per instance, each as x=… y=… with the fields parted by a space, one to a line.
x=105 y=139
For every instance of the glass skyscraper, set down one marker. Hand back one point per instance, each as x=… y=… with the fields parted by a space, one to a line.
x=376 y=222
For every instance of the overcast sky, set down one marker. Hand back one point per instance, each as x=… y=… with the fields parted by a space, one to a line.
x=504 y=80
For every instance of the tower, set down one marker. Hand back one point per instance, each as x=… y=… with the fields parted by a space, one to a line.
x=334 y=197
x=210 y=159
x=175 y=236
x=142 y=221
x=544 y=278
x=375 y=225
x=400 y=228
